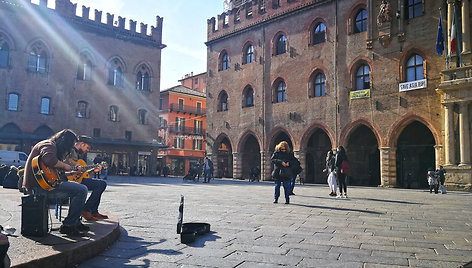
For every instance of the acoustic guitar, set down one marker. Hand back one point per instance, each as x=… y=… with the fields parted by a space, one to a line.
x=77 y=177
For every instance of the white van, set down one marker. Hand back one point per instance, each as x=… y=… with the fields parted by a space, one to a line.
x=13 y=158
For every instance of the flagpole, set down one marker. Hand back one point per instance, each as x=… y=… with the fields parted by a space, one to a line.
x=459 y=54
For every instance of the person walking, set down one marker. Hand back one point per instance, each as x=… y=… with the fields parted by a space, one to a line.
x=282 y=173
x=208 y=170
x=331 y=169
x=440 y=173
x=433 y=182
x=342 y=168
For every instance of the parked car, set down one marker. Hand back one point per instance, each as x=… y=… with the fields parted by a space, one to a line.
x=13 y=158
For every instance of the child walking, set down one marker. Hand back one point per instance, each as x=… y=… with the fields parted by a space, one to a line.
x=433 y=182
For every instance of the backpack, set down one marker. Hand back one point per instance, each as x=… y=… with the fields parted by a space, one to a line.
x=345 y=167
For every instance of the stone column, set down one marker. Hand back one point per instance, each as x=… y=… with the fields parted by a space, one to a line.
x=388 y=167
x=449 y=139
x=465 y=26
x=266 y=168
x=237 y=166
x=464 y=133
x=437 y=151
x=450 y=18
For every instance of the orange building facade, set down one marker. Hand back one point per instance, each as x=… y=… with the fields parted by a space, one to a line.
x=183 y=126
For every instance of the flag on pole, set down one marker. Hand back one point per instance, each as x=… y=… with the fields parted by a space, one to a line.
x=453 y=34
x=440 y=38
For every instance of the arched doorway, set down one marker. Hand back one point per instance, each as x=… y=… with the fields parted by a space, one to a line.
x=364 y=157
x=250 y=156
x=10 y=137
x=415 y=155
x=318 y=145
x=224 y=159
x=282 y=136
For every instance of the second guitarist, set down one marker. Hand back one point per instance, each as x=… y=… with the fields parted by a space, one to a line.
x=90 y=211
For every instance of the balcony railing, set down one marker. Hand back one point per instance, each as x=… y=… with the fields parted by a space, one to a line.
x=457 y=73
x=186 y=109
x=186 y=130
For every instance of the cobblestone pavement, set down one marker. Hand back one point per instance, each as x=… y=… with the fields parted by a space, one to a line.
x=375 y=227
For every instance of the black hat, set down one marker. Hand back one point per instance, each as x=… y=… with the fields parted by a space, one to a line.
x=85 y=139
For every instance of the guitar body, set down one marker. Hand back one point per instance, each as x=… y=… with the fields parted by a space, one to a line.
x=79 y=176
x=46 y=177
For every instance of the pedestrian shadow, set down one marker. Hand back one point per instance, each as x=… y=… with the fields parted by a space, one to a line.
x=340 y=209
x=368 y=199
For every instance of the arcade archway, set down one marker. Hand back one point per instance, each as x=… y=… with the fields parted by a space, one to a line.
x=318 y=145
x=224 y=159
x=364 y=156
x=415 y=155
x=250 y=156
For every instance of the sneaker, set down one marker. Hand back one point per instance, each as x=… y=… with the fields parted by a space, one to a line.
x=292 y=193
x=275 y=201
x=345 y=196
x=70 y=231
x=82 y=227
x=287 y=202
x=339 y=196
x=332 y=194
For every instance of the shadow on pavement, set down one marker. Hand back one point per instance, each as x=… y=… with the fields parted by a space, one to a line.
x=341 y=209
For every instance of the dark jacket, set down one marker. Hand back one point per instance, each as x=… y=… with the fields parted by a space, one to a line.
x=330 y=164
x=277 y=158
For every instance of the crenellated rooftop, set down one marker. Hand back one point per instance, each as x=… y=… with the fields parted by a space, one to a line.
x=68 y=10
x=247 y=13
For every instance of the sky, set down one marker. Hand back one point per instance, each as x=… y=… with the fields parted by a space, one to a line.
x=184 y=29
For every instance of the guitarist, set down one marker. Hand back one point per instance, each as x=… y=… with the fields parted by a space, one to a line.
x=52 y=153
x=90 y=211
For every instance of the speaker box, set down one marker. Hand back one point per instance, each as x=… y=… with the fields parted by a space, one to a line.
x=34 y=215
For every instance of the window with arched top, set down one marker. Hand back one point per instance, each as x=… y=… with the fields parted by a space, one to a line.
x=414 y=68
x=280 y=92
x=115 y=74
x=142 y=116
x=45 y=105
x=38 y=57
x=13 y=101
x=248 y=54
x=360 y=21
x=113 y=113
x=4 y=54
x=84 y=68
x=248 y=97
x=362 y=77
x=281 y=45
x=319 y=33
x=413 y=8
x=82 y=107
x=143 y=79
x=319 y=85
x=224 y=61
x=222 y=102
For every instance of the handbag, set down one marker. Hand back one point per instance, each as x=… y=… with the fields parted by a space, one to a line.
x=345 y=167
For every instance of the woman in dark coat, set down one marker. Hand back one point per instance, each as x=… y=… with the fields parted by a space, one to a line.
x=283 y=159
x=340 y=174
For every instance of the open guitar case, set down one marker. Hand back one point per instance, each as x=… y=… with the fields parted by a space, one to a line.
x=189 y=231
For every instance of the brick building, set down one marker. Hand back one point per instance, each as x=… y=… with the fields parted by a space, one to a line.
x=359 y=73
x=59 y=70
x=183 y=124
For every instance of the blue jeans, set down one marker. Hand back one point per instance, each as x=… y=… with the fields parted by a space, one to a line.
x=292 y=184
x=97 y=187
x=207 y=175
x=287 y=189
x=77 y=193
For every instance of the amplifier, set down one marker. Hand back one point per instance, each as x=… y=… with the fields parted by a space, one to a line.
x=34 y=215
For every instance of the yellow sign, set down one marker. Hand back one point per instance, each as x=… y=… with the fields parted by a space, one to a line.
x=360 y=94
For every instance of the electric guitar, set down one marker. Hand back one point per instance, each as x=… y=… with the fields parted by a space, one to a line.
x=77 y=177
x=48 y=178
